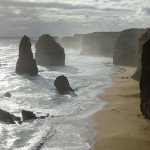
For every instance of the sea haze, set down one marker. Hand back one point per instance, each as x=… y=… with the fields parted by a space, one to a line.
x=68 y=130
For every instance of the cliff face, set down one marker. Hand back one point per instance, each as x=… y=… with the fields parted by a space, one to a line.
x=145 y=80
x=74 y=42
x=99 y=43
x=126 y=47
x=49 y=52
x=143 y=39
x=26 y=63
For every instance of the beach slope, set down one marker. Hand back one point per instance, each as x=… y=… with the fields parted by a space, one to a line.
x=120 y=125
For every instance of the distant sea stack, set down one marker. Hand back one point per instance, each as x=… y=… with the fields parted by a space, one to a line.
x=72 y=42
x=26 y=64
x=99 y=43
x=126 y=47
x=144 y=38
x=49 y=52
x=145 y=80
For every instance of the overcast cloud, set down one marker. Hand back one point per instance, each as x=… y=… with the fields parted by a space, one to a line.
x=68 y=17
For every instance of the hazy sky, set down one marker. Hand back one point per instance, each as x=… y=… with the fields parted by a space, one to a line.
x=67 y=17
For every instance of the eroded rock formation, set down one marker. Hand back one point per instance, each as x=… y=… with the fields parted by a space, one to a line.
x=26 y=64
x=62 y=85
x=126 y=47
x=145 y=80
x=49 y=52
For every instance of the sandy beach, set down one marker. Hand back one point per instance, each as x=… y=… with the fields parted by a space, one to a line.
x=120 y=125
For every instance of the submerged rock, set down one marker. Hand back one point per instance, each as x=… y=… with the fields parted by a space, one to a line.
x=49 y=52
x=145 y=80
x=26 y=63
x=7 y=94
x=29 y=115
x=62 y=85
x=8 y=118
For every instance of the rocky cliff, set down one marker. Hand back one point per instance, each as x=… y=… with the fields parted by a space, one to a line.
x=74 y=42
x=26 y=63
x=126 y=47
x=99 y=43
x=49 y=52
x=143 y=39
x=145 y=80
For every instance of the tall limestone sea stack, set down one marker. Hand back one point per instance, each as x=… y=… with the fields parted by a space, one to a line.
x=145 y=80
x=49 y=52
x=26 y=64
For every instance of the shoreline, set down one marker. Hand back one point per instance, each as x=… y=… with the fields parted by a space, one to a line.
x=120 y=125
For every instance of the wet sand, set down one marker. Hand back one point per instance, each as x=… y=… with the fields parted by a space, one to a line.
x=120 y=125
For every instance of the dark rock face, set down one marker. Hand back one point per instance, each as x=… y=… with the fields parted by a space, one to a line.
x=28 y=115
x=143 y=39
x=99 y=43
x=62 y=85
x=145 y=80
x=49 y=52
x=137 y=75
x=26 y=64
x=8 y=118
x=126 y=47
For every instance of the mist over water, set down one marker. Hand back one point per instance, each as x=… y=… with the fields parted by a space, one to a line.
x=68 y=130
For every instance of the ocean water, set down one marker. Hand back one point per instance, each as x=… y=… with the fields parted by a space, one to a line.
x=69 y=129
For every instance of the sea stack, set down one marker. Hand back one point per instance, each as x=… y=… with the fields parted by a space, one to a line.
x=145 y=80
x=62 y=85
x=49 y=52
x=26 y=64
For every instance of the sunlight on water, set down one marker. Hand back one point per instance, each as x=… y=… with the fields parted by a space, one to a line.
x=38 y=94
